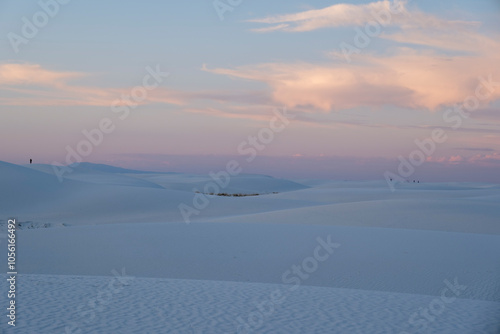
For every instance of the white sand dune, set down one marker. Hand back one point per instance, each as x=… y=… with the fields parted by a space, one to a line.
x=240 y=184
x=447 y=215
x=86 y=304
x=394 y=253
x=93 y=196
x=395 y=260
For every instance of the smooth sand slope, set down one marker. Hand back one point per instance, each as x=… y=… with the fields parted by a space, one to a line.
x=108 y=251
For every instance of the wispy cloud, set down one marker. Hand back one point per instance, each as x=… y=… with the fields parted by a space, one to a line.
x=475 y=149
x=33 y=85
x=480 y=159
x=250 y=113
x=34 y=74
x=332 y=16
x=424 y=77
x=343 y=14
x=409 y=78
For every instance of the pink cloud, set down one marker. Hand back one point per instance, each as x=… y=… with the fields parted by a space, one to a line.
x=403 y=77
x=33 y=74
x=486 y=158
x=456 y=158
x=34 y=85
x=480 y=159
x=411 y=79
x=246 y=113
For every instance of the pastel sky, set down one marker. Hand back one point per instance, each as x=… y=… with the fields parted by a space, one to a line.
x=354 y=115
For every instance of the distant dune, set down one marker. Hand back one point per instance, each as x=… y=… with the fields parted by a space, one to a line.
x=344 y=256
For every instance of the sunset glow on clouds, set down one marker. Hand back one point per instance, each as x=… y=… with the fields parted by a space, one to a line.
x=404 y=77
x=409 y=79
x=421 y=58
x=481 y=159
x=42 y=87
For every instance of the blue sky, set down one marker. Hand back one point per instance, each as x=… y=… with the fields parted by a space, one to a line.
x=226 y=78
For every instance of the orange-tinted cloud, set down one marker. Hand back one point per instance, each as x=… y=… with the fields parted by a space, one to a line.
x=33 y=74
x=402 y=76
x=33 y=85
x=412 y=79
